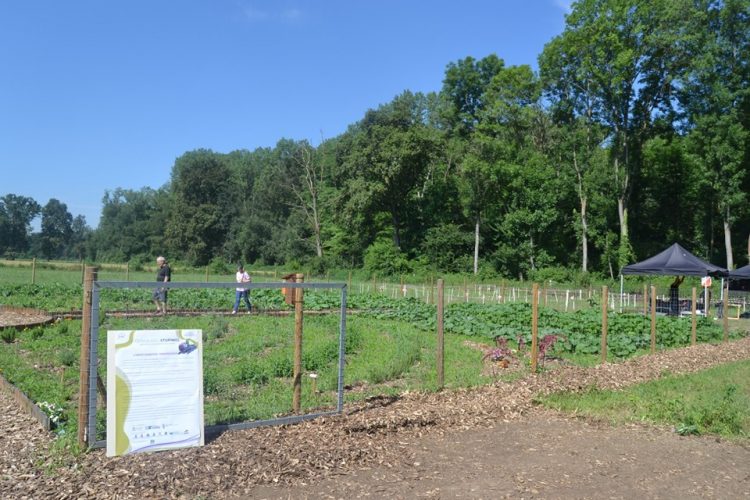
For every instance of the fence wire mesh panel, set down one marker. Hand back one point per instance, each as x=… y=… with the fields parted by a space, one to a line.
x=248 y=357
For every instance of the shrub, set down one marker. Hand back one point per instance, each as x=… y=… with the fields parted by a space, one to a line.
x=220 y=266
x=384 y=259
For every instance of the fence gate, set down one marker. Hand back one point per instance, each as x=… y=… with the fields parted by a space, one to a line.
x=90 y=434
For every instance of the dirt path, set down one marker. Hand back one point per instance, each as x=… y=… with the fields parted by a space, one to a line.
x=485 y=443
x=547 y=456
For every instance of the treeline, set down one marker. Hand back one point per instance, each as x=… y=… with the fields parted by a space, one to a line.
x=634 y=134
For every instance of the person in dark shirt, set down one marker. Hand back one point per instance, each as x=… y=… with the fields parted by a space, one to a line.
x=674 y=295
x=163 y=275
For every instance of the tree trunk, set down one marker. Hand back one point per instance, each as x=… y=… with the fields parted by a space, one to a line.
x=728 y=244
x=396 y=232
x=584 y=236
x=318 y=243
x=584 y=220
x=476 y=245
x=624 y=252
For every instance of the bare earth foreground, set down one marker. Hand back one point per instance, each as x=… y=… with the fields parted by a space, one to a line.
x=484 y=443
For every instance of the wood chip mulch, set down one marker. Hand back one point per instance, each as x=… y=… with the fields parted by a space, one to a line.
x=378 y=432
x=21 y=317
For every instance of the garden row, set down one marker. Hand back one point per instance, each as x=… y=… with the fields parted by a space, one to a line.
x=576 y=332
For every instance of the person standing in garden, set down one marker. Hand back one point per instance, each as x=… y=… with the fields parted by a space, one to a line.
x=674 y=295
x=241 y=293
x=163 y=275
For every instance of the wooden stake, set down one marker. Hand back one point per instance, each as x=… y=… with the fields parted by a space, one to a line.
x=725 y=312
x=645 y=300
x=83 y=393
x=653 y=319
x=534 y=326
x=694 y=324
x=33 y=270
x=297 y=375
x=605 y=292
x=440 y=337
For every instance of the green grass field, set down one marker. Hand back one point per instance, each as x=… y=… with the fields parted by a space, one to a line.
x=714 y=401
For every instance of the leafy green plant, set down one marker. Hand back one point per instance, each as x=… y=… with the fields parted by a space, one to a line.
x=8 y=335
x=67 y=357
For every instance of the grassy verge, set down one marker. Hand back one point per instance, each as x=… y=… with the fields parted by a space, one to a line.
x=714 y=401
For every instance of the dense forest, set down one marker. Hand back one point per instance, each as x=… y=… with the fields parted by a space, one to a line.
x=633 y=134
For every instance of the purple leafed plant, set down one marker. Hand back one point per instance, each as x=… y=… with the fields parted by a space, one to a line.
x=502 y=351
x=547 y=343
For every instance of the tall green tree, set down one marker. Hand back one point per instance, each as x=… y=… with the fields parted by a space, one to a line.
x=203 y=206
x=386 y=160
x=132 y=225
x=617 y=56
x=80 y=234
x=466 y=91
x=16 y=214
x=57 y=229
x=716 y=98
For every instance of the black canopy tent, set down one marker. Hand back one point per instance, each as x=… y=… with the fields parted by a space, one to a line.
x=739 y=279
x=742 y=273
x=674 y=261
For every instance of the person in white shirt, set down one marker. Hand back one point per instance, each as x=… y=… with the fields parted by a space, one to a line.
x=241 y=293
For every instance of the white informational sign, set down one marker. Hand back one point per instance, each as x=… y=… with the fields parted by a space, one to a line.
x=154 y=390
x=706 y=281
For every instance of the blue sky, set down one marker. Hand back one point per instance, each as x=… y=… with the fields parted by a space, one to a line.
x=96 y=95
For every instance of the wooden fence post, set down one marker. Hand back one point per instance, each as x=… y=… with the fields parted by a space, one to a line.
x=83 y=393
x=33 y=270
x=534 y=326
x=694 y=324
x=645 y=300
x=725 y=311
x=298 y=308
x=127 y=271
x=440 y=334
x=605 y=292
x=653 y=319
